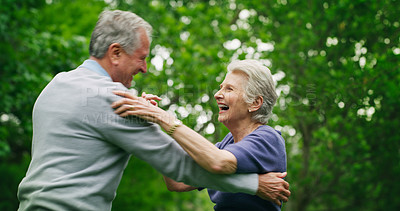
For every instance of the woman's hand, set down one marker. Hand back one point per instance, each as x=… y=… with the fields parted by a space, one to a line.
x=151 y=98
x=144 y=107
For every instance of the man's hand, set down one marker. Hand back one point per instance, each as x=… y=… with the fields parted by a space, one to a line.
x=273 y=188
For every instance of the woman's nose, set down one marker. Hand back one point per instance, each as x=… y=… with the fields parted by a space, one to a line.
x=218 y=95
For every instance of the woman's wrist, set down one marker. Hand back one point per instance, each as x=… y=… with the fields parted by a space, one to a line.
x=175 y=125
x=168 y=122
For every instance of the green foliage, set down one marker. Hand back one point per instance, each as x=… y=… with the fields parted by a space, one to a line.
x=11 y=174
x=337 y=69
x=143 y=187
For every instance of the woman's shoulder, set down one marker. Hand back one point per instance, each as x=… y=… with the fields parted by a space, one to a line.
x=228 y=139
x=268 y=129
x=266 y=133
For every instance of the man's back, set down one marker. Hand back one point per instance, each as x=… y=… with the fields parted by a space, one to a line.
x=73 y=166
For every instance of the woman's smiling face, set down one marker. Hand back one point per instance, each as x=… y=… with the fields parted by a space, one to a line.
x=232 y=107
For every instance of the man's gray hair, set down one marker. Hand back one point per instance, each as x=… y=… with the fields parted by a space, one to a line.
x=259 y=83
x=117 y=27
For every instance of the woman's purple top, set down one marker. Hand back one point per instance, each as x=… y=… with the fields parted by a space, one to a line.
x=261 y=151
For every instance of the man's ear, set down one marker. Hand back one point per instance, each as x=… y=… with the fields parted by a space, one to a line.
x=257 y=103
x=114 y=52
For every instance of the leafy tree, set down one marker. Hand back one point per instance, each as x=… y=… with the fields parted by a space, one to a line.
x=341 y=61
x=336 y=64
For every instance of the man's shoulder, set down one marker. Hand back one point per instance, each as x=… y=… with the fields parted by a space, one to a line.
x=87 y=82
x=81 y=89
x=85 y=76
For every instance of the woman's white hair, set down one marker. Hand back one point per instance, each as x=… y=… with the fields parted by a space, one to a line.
x=259 y=83
x=117 y=27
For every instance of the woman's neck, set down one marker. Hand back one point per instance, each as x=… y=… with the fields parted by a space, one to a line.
x=242 y=130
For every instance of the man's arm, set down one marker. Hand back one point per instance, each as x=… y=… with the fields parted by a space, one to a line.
x=271 y=187
x=173 y=185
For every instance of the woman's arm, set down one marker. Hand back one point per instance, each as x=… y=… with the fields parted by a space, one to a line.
x=200 y=149
x=204 y=152
x=173 y=185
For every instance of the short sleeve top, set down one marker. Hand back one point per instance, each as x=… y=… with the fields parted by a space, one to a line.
x=261 y=151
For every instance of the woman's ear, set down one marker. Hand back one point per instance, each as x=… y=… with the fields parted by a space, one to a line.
x=257 y=103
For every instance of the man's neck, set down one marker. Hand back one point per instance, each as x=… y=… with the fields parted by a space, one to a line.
x=103 y=63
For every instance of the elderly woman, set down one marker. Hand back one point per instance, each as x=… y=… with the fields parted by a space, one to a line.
x=245 y=100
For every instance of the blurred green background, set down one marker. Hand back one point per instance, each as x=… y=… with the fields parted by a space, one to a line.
x=336 y=64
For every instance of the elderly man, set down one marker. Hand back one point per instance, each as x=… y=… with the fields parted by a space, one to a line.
x=80 y=147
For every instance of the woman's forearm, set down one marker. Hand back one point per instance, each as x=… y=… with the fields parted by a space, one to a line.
x=200 y=149
x=206 y=154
